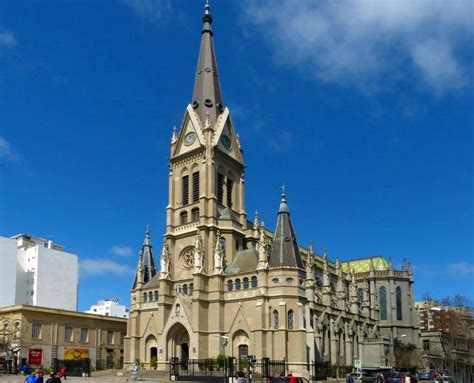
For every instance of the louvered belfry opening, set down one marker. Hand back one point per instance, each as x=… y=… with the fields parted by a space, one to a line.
x=196 y=187
x=185 y=190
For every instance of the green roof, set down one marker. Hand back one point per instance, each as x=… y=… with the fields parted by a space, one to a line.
x=363 y=265
x=243 y=262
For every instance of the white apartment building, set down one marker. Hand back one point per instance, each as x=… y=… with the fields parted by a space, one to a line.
x=36 y=271
x=109 y=307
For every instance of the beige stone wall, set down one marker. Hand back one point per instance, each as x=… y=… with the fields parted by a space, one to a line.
x=52 y=336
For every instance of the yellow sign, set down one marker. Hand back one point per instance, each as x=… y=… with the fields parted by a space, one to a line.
x=76 y=353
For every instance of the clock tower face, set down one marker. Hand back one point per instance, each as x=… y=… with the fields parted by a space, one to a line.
x=226 y=142
x=189 y=138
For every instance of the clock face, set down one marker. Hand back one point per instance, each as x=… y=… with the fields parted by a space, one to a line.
x=189 y=138
x=226 y=142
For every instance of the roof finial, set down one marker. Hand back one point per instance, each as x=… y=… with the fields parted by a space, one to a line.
x=207 y=13
x=283 y=205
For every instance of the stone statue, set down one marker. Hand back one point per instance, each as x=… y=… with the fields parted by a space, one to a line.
x=310 y=263
x=262 y=246
x=165 y=262
x=198 y=254
x=218 y=255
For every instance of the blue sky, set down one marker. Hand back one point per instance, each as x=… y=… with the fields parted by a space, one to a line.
x=364 y=109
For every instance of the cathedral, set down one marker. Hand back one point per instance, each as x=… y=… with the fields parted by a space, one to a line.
x=227 y=285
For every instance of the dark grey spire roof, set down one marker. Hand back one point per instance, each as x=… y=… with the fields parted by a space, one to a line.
x=284 y=251
x=207 y=90
x=147 y=260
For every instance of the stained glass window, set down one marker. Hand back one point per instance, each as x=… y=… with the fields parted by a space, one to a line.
x=383 y=303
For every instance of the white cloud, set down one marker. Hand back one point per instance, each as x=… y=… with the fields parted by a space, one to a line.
x=121 y=251
x=369 y=43
x=149 y=9
x=6 y=151
x=7 y=39
x=462 y=268
x=103 y=267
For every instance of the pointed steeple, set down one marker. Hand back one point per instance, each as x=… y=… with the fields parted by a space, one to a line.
x=207 y=90
x=284 y=252
x=146 y=260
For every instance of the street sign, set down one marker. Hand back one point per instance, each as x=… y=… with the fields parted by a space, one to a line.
x=357 y=363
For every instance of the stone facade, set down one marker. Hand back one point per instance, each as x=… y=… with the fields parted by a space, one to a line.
x=227 y=285
x=64 y=334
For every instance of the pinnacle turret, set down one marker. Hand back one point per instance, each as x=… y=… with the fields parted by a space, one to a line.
x=284 y=252
x=146 y=261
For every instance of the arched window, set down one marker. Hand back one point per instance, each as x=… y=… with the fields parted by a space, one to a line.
x=291 y=319
x=333 y=288
x=276 y=320
x=185 y=289
x=145 y=297
x=319 y=284
x=183 y=218
x=191 y=288
x=150 y=296
x=246 y=283
x=360 y=296
x=177 y=310
x=398 y=295
x=237 y=284
x=195 y=214
x=253 y=282
x=383 y=303
x=185 y=190
x=230 y=285
x=156 y=295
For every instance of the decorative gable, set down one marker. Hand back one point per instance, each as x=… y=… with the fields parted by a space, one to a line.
x=190 y=136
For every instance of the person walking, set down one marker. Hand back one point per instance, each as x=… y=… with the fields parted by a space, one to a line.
x=241 y=377
x=54 y=377
x=63 y=373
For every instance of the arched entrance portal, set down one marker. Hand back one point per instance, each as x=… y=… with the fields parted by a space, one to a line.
x=240 y=346
x=177 y=342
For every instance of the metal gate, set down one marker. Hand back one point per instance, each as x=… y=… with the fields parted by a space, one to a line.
x=208 y=370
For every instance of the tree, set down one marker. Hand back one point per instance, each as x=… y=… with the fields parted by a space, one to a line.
x=406 y=355
x=11 y=341
x=460 y=301
x=427 y=297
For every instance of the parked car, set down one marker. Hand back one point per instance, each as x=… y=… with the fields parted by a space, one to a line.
x=425 y=376
x=289 y=379
x=392 y=377
x=362 y=377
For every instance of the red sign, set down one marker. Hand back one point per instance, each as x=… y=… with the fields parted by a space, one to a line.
x=35 y=356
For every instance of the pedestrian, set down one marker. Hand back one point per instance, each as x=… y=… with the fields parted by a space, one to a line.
x=63 y=373
x=54 y=377
x=35 y=377
x=349 y=378
x=241 y=377
x=24 y=369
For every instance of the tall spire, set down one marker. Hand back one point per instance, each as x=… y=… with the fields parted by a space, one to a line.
x=284 y=252
x=207 y=90
x=146 y=260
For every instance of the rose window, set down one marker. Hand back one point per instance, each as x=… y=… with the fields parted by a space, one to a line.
x=187 y=257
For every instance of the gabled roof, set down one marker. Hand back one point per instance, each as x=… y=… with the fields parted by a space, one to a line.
x=284 y=251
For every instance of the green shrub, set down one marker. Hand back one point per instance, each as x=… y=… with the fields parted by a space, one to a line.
x=153 y=361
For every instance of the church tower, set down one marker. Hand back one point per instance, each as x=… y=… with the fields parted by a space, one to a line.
x=206 y=187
